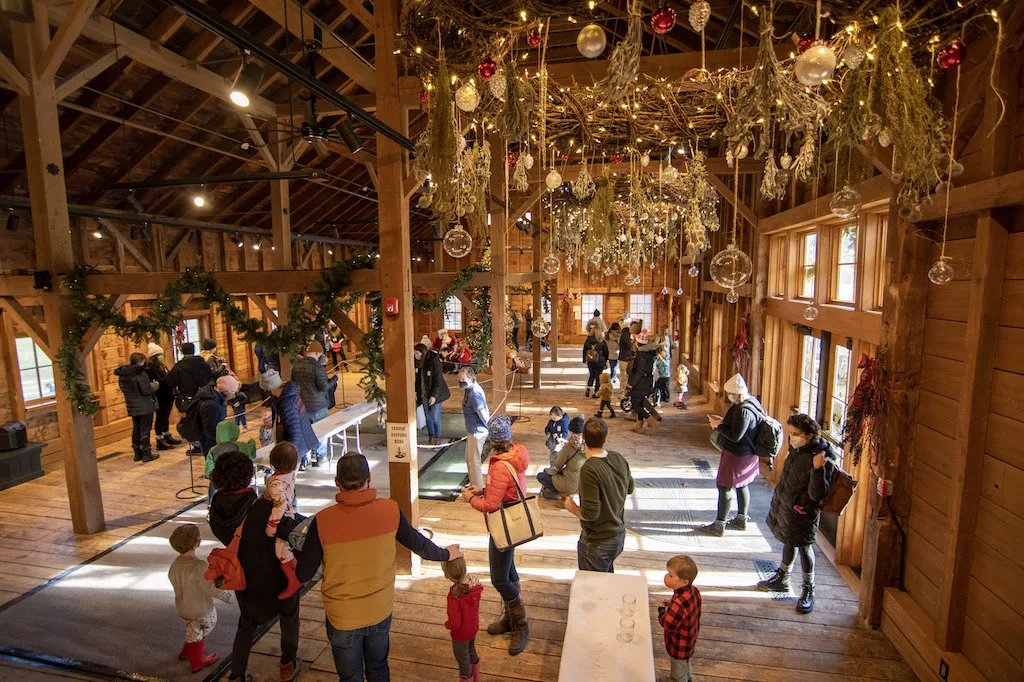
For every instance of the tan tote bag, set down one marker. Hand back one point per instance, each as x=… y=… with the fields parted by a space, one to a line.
x=515 y=523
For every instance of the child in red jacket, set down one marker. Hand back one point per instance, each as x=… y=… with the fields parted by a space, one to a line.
x=463 y=617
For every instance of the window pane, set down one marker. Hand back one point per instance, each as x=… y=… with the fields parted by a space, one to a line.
x=590 y=303
x=640 y=307
x=46 y=385
x=848 y=244
x=838 y=418
x=453 y=314
x=807 y=286
x=30 y=384
x=846 y=286
x=26 y=352
x=808 y=358
x=810 y=249
x=805 y=398
x=842 y=381
x=545 y=305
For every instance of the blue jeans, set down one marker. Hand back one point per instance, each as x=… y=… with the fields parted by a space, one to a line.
x=601 y=555
x=546 y=482
x=503 y=570
x=354 y=649
x=613 y=369
x=433 y=414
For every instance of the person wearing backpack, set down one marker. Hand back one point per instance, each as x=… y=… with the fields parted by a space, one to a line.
x=796 y=504
x=735 y=435
x=595 y=355
x=187 y=376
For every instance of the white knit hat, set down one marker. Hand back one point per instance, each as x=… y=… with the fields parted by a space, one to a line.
x=736 y=385
x=270 y=380
x=154 y=349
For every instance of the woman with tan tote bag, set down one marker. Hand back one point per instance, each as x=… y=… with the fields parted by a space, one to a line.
x=506 y=478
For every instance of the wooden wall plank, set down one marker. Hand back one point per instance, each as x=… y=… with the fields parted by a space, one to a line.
x=945 y=338
x=991 y=659
x=1007 y=392
x=1004 y=625
x=999 y=575
x=1012 y=313
x=1001 y=530
x=942 y=375
x=1004 y=438
x=938 y=413
x=949 y=302
x=922 y=591
x=932 y=487
x=1002 y=484
x=1010 y=349
x=928 y=521
x=935 y=449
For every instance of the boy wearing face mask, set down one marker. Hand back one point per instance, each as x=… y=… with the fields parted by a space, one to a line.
x=563 y=476
x=794 y=514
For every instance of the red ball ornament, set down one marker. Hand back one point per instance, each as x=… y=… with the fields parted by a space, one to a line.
x=805 y=44
x=616 y=158
x=952 y=55
x=424 y=96
x=565 y=157
x=663 y=20
x=510 y=158
x=486 y=68
x=533 y=38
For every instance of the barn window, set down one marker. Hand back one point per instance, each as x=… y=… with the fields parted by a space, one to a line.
x=36 y=371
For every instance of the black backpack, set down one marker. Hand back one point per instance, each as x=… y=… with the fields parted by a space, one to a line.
x=768 y=436
x=190 y=427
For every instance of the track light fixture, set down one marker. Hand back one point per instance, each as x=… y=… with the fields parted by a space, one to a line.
x=146 y=234
x=133 y=232
x=99 y=229
x=134 y=203
x=12 y=220
x=258 y=244
x=199 y=198
x=349 y=137
x=236 y=240
x=247 y=83
x=193 y=237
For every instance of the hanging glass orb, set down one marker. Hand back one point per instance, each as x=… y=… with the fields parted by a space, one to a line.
x=663 y=20
x=816 y=65
x=631 y=280
x=425 y=200
x=653 y=265
x=645 y=159
x=669 y=173
x=497 y=84
x=700 y=12
x=527 y=160
x=591 y=41
x=846 y=202
x=540 y=327
x=732 y=296
x=731 y=267
x=664 y=291
x=486 y=68
x=785 y=161
x=551 y=265
x=693 y=271
x=622 y=235
x=457 y=242
x=854 y=55
x=742 y=150
x=941 y=272
x=553 y=180
x=595 y=258
x=810 y=313
x=467 y=97
x=679 y=291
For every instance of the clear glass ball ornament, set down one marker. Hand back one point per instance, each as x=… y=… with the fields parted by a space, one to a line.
x=664 y=291
x=497 y=85
x=467 y=97
x=457 y=242
x=693 y=271
x=622 y=236
x=675 y=216
x=553 y=180
x=853 y=55
x=846 y=202
x=659 y=240
x=810 y=313
x=591 y=41
x=425 y=200
x=527 y=161
x=608 y=271
x=653 y=265
x=941 y=272
x=631 y=280
x=669 y=173
x=700 y=12
x=816 y=65
x=595 y=258
x=679 y=291
x=551 y=265
x=645 y=160
x=540 y=327
x=732 y=296
x=883 y=138
x=731 y=267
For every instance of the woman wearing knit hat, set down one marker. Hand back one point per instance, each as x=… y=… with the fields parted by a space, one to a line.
x=164 y=397
x=501 y=488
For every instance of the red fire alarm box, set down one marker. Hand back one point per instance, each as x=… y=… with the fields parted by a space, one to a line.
x=391 y=305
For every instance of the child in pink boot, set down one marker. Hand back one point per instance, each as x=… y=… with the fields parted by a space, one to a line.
x=280 y=490
x=193 y=596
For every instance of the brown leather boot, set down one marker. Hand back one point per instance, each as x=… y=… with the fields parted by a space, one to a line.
x=501 y=626
x=520 y=626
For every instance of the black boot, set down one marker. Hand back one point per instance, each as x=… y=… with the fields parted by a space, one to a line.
x=611 y=413
x=162 y=444
x=502 y=626
x=806 y=602
x=171 y=440
x=588 y=392
x=147 y=453
x=779 y=582
x=138 y=452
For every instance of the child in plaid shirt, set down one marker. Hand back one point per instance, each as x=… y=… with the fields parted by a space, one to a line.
x=680 y=615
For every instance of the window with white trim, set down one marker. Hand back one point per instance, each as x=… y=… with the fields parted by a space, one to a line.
x=810 y=374
x=641 y=308
x=36 y=371
x=453 y=314
x=588 y=304
x=840 y=390
x=188 y=332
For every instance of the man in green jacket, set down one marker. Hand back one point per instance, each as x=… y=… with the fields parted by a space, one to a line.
x=605 y=481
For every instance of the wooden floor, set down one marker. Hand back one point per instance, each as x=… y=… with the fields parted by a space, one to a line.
x=744 y=634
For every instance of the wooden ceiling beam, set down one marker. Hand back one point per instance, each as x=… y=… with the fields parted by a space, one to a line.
x=75 y=81
x=173 y=65
x=68 y=31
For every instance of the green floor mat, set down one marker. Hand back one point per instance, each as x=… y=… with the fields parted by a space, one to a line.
x=443 y=475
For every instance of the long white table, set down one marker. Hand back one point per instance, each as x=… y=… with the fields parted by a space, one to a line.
x=591 y=651
x=334 y=429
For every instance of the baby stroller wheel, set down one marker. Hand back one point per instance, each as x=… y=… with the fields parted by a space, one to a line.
x=626 y=404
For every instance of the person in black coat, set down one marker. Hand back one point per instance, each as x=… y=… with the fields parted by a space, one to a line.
x=236 y=502
x=187 y=376
x=164 y=397
x=641 y=385
x=795 y=510
x=595 y=355
x=212 y=404
x=431 y=388
x=140 y=401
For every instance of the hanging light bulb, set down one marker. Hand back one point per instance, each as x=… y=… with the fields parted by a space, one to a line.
x=258 y=244
x=99 y=229
x=199 y=198
x=731 y=267
x=247 y=83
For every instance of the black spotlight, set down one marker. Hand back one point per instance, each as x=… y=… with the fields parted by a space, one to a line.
x=134 y=203
x=12 y=220
x=133 y=233
x=247 y=83
x=349 y=137
x=193 y=236
x=236 y=240
x=144 y=231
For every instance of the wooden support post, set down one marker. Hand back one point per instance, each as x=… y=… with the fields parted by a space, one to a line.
x=538 y=310
x=281 y=223
x=499 y=239
x=396 y=279
x=900 y=353
x=51 y=228
x=972 y=428
x=9 y=356
x=757 y=313
x=555 y=306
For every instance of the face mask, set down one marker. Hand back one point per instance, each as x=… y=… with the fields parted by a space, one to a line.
x=797 y=442
x=463 y=384
x=734 y=399
x=418 y=356
x=159 y=358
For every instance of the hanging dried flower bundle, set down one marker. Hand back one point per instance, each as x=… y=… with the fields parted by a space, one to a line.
x=512 y=121
x=438 y=149
x=624 y=64
x=519 y=181
x=774 y=180
x=699 y=207
x=476 y=175
x=583 y=185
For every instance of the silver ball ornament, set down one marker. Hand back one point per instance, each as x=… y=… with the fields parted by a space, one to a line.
x=540 y=327
x=467 y=97
x=732 y=296
x=553 y=180
x=846 y=202
x=731 y=267
x=551 y=265
x=816 y=65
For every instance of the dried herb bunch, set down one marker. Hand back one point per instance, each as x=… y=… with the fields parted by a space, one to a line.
x=512 y=121
x=699 y=203
x=624 y=64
